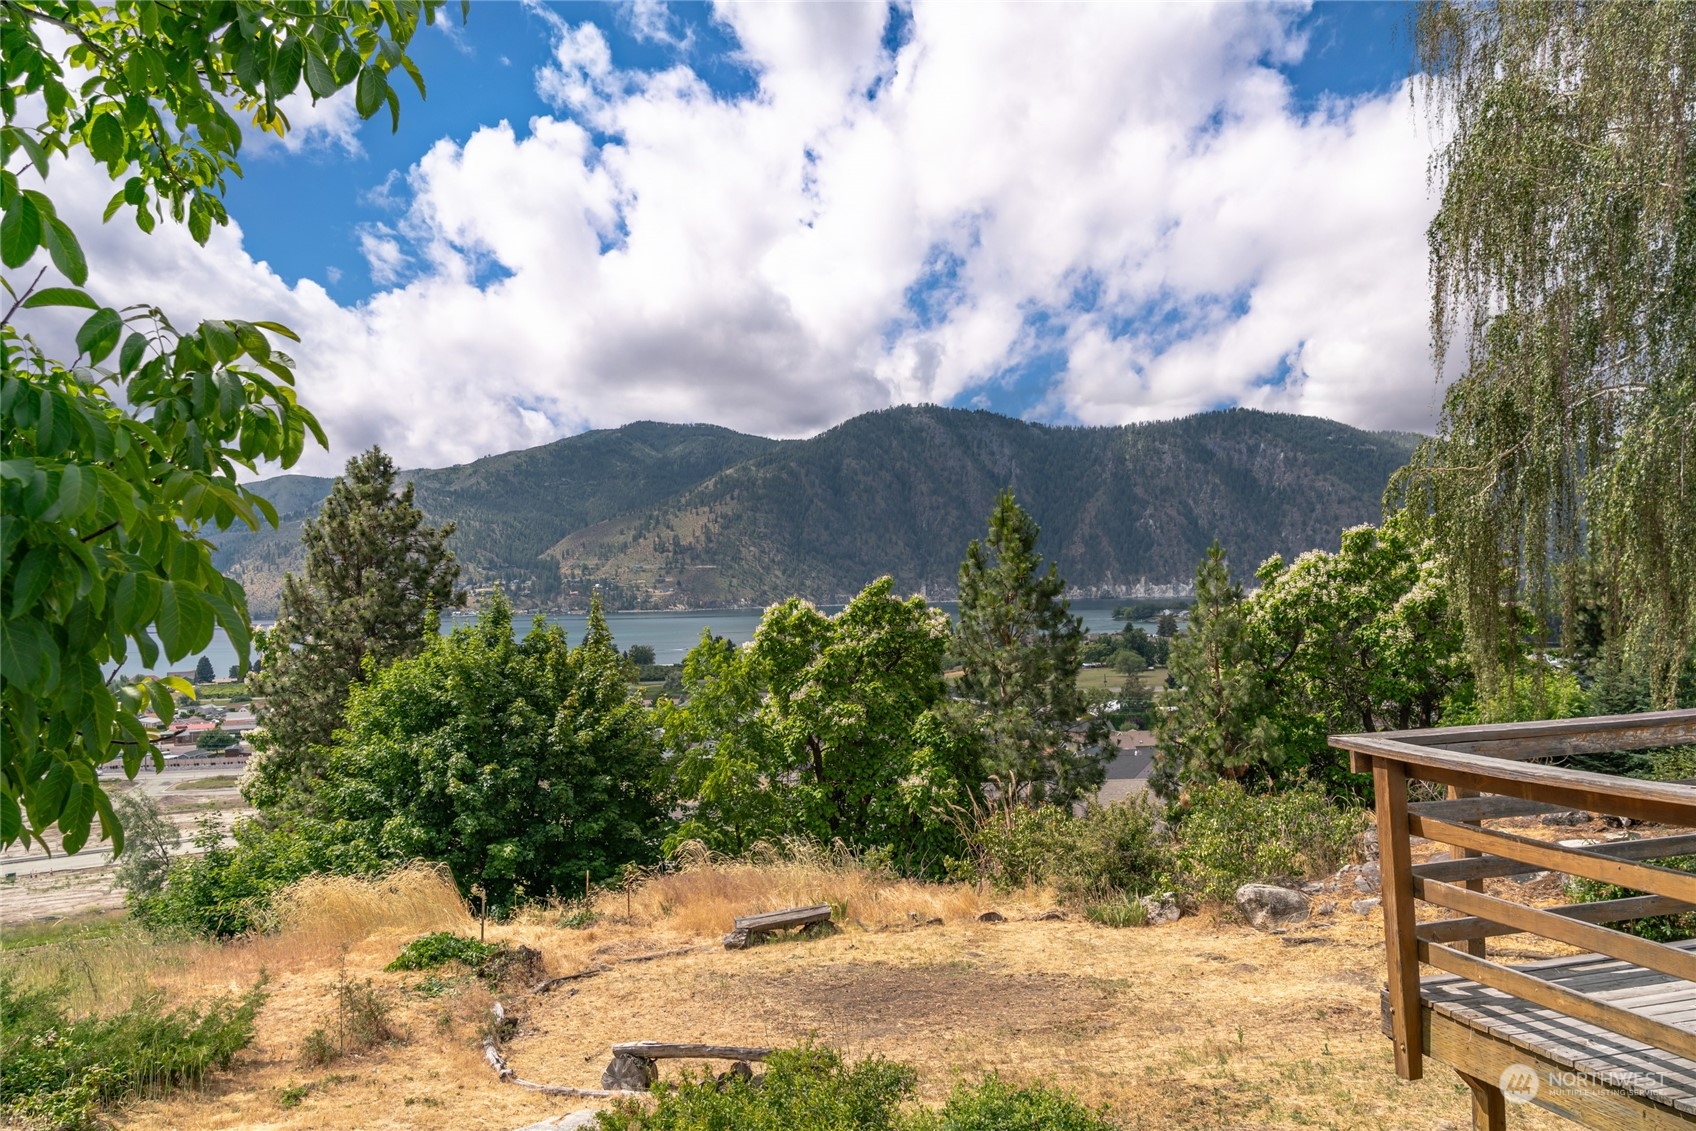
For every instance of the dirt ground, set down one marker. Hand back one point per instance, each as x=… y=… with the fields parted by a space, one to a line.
x=1202 y=1023
x=1198 y=1024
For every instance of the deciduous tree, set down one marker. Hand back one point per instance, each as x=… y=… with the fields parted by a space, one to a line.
x=115 y=462
x=825 y=727
x=1562 y=255
x=520 y=764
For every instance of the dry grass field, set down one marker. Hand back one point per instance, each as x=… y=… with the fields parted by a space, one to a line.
x=1199 y=1024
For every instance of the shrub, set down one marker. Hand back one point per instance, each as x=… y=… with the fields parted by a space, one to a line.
x=1119 y=848
x=1229 y=837
x=1122 y=912
x=441 y=948
x=1658 y=928
x=992 y=1104
x=363 y=1018
x=60 y=1071
x=811 y=1089
x=228 y=889
x=802 y=1089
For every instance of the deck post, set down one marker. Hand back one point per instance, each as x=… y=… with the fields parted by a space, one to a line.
x=1401 y=947
x=1489 y=1106
x=1476 y=947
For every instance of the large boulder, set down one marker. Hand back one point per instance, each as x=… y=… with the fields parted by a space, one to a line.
x=1268 y=907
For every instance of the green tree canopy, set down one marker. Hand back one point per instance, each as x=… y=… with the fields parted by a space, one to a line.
x=1562 y=258
x=824 y=727
x=114 y=462
x=376 y=577
x=203 y=672
x=1215 y=720
x=520 y=764
x=1019 y=648
x=1362 y=639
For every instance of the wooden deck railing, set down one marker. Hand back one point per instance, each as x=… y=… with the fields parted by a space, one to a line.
x=1491 y=774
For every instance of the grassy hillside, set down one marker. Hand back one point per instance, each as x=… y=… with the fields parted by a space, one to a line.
x=663 y=514
x=904 y=490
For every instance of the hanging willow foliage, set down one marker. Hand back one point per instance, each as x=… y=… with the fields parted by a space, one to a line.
x=1563 y=263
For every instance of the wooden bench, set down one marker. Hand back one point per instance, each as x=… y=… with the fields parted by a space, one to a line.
x=1606 y=1037
x=747 y=927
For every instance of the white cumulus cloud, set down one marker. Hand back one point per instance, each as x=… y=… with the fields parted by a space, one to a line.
x=1125 y=194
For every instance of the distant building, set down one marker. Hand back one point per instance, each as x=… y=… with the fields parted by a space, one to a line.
x=1128 y=772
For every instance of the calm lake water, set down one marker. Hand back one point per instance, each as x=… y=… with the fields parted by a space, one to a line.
x=669 y=634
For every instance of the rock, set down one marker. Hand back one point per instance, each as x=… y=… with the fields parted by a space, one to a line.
x=1614 y=822
x=1161 y=909
x=1312 y=888
x=736 y=940
x=1051 y=915
x=1362 y=884
x=820 y=930
x=1366 y=844
x=1366 y=906
x=1266 y=906
x=630 y=1073
x=992 y=917
x=1528 y=877
x=1569 y=817
x=1326 y=908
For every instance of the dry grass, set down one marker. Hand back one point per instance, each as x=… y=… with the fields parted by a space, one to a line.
x=706 y=892
x=1199 y=1024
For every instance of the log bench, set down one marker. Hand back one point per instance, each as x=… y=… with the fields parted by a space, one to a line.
x=1606 y=1037
x=747 y=928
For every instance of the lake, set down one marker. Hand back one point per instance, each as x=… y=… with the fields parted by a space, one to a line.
x=669 y=634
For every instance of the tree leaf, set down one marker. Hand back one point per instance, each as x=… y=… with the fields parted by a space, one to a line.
x=184 y=620
x=99 y=335
x=66 y=252
x=320 y=79
x=106 y=139
x=11 y=821
x=20 y=231
x=21 y=645
x=367 y=95
x=60 y=296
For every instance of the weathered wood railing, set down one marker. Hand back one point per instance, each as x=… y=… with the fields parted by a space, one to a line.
x=1491 y=775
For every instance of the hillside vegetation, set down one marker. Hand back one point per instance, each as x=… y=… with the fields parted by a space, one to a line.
x=667 y=515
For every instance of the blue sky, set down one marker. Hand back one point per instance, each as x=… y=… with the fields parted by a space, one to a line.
x=776 y=216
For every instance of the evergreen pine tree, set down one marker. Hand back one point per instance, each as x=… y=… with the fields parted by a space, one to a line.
x=1019 y=648
x=375 y=579
x=1211 y=722
x=203 y=671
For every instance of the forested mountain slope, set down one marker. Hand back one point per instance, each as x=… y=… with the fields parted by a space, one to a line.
x=666 y=514
x=904 y=490
x=509 y=508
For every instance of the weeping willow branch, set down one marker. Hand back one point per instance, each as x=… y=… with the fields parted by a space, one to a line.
x=1563 y=271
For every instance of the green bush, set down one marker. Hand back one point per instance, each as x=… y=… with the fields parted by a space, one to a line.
x=1658 y=928
x=992 y=1104
x=61 y=1071
x=1228 y=837
x=1121 y=912
x=811 y=1089
x=227 y=889
x=442 y=948
x=803 y=1089
x=1109 y=850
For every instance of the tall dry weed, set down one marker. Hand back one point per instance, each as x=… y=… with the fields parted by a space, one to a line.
x=705 y=891
x=317 y=919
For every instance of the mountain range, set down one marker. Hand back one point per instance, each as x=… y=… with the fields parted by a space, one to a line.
x=691 y=515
